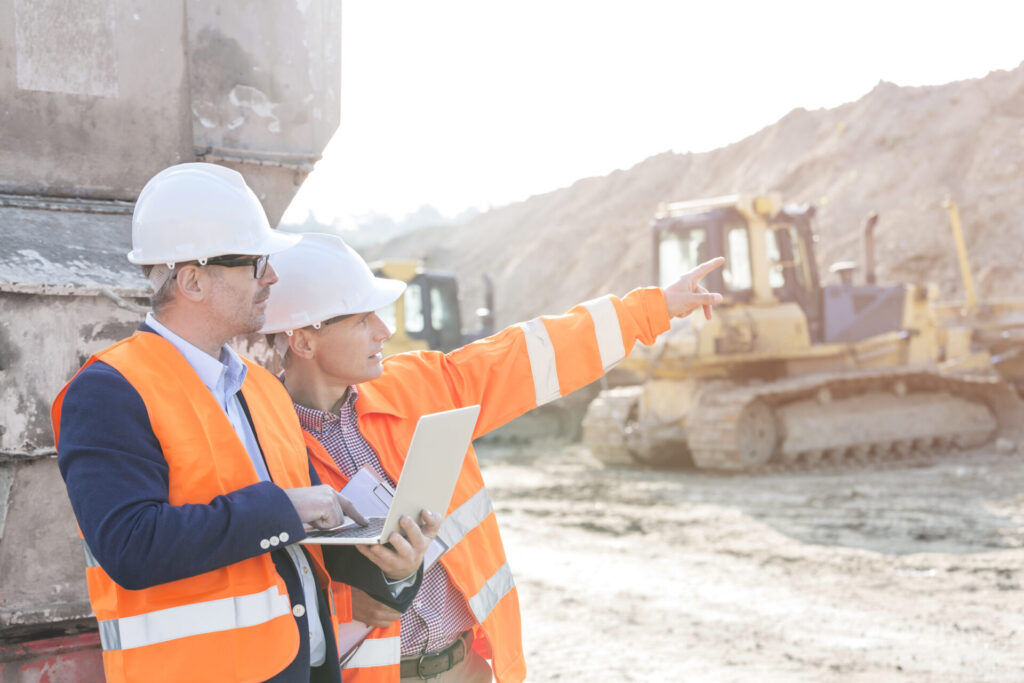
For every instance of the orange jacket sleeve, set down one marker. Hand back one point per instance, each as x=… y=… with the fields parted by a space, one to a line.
x=524 y=365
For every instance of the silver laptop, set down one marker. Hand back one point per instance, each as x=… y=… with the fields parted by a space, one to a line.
x=427 y=482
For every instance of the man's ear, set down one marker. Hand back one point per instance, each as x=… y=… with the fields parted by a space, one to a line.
x=302 y=343
x=191 y=284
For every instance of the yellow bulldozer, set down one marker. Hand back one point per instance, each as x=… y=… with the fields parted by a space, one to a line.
x=789 y=370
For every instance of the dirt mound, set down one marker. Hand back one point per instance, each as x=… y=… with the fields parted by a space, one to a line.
x=897 y=151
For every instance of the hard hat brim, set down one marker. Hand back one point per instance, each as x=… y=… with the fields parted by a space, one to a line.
x=274 y=243
x=386 y=291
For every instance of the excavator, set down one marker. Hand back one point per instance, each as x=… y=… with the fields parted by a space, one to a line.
x=790 y=371
x=427 y=315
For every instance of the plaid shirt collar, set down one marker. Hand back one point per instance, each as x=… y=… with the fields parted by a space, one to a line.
x=316 y=421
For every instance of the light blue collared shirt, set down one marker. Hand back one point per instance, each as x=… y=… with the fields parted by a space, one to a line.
x=224 y=379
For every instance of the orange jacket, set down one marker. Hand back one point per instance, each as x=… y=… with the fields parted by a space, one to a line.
x=508 y=374
x=190 y=629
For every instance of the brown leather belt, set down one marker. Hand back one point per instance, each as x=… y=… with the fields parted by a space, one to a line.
x=426 y=666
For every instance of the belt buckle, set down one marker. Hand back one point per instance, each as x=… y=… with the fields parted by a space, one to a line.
x=447 y=655
x=419 y=666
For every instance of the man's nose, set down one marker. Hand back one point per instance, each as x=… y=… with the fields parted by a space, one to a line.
x=381 y=331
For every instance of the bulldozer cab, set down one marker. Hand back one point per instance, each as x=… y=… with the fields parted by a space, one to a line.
x=427 y=315
x=768 y=250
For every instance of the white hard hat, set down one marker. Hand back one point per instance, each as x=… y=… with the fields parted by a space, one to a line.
x=192 y=212
x=322 y=277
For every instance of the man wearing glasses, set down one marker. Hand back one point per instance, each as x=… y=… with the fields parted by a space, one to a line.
x=187 y=471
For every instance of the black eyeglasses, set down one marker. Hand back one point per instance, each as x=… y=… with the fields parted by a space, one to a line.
x=258 y=263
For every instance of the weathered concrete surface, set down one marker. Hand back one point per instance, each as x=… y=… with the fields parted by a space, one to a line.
x=46 y=250
x=64 y=659
x=43 y=341
x=99 y=95
x=95 y=96
x=58 y=259
x=263 y=79
x=265 y=89
x=41 y=557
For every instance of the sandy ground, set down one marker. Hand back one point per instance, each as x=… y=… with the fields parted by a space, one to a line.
x=912 y=572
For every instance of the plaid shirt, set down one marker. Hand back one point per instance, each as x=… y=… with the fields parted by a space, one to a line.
x=440 y=613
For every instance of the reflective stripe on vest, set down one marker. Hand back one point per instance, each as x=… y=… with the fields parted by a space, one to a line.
x=193 y=619
x=465 y=518
x=609 y=334
x=492 y=592
x=90 y=559
x=376 y=652
x=542 y=360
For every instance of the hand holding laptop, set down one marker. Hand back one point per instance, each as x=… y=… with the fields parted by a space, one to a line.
x=407 y=549
x=431 y=470
x=427 y=481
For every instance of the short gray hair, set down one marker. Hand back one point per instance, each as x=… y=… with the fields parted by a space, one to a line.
x=278 y=341
x=164 y=285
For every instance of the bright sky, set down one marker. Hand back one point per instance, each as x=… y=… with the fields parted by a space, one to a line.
x=459 y=103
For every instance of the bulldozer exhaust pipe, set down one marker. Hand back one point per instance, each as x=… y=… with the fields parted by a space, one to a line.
x=868 y=231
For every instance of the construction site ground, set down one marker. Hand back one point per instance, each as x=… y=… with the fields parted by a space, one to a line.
x=903 y=572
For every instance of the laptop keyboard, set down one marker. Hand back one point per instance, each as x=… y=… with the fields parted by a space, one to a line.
x=372 y=529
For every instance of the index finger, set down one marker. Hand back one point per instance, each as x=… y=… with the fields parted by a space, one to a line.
x=706 y=267
x=349 y=508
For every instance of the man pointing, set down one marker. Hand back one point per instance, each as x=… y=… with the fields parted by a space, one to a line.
x=359 y=410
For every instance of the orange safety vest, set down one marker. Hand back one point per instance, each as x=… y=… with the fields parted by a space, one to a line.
x=233 y=623
x=508 y=374
x=378 y=656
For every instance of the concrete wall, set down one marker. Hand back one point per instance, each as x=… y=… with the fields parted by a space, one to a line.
x=265 y=89
x=43 y=341
x=95 y=97
x=41 y=558
x=98 y=95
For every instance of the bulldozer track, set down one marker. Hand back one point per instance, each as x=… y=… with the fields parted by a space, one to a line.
x=877 y=462
x=743 y=427
x=605 y=426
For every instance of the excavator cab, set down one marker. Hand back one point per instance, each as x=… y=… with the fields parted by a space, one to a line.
x=427 y=315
